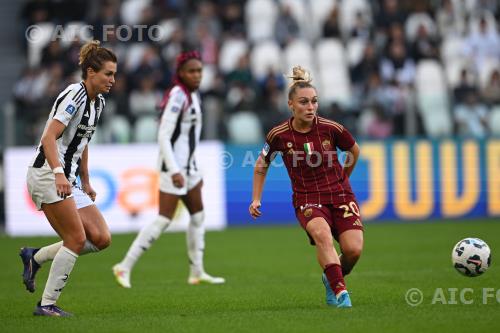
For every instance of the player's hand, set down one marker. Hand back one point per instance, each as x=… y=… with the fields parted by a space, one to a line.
x=254 y=209
x=178 y=180
x=87 y=188
x=63 y=186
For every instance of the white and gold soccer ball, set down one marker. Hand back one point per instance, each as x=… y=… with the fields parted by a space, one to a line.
x=471 y=257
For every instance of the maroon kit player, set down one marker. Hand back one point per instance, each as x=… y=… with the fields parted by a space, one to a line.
x=323 y=200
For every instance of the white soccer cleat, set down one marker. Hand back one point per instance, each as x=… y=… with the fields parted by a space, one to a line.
x=122 y=276
x=205 y=278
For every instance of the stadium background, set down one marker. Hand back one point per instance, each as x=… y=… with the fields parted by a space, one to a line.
x=417 y=83
x=419 y=163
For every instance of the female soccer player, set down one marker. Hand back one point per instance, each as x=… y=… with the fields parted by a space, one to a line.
x=180 y=178
x=322 y=197
x=61 y=157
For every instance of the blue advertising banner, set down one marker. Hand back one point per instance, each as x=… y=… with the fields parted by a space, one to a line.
x=399 y=180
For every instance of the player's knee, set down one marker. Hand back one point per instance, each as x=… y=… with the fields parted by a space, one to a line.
x=197 y=218
x=75 y=242
x=322 y=236
x=353 y=253
x=104 y=241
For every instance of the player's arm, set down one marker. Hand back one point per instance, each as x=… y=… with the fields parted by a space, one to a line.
x=345 y=141
x=84 y=174
x=351 y=160
x=53 y=131
x=259 y=177
x=170 y=116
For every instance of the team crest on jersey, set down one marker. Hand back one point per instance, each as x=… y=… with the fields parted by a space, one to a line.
x=308 y=212
x=289 y=144
x=265 y=149
x=70 y=109
x=175 y=109
x=326 y=145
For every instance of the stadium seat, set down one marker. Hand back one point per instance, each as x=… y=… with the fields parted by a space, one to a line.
x=231 y=51
x=209 y=74
x=167 y=28
x=330 y=50
x=452 y=48
x=454 y=69
x=244 y=127
x=131 y=10
x=490 y=21
x=300 y=12
x=494 y=121
x=349 y=10
x=487 y=67
x=432 y=98
x=299 y=52
x=119 y=129
x=320 y=9
x=334 y=82
x=38 y=39
x=355 y=50
x=266 y=55
x=260 y=17
x=135 y=52
x=75 y=31
x=145 y=129
x=413 y=23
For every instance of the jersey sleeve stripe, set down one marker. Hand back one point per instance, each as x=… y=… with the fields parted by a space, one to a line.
x=333 y=124
x=274 y=130
x=277 y=133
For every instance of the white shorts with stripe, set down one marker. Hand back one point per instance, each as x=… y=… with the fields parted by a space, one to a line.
x=166 y=185
x=42 y=188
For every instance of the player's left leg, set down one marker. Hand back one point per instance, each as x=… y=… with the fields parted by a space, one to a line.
x=195 y=237
x=351 y=246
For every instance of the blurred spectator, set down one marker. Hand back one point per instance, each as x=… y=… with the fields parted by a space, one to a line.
x=286 y=27
x=207 y=44
x=205 y=17
x=483 y=44
x=144 y=100
x=424 y=46
x=368 y=65
x=331 y=27
x=471 y=117
x=375 y=123
x=398 y=67
x=52 y=53
x=464 y=87
x=232 y=19
x=491 y=92
x=389 y=14
x=361 y=28
x=108 y=14
x=449 y=23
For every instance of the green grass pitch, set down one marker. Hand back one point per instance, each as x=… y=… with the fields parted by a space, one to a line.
x=273 y=285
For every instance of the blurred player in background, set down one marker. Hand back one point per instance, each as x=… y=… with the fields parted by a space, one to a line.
x=180 y=178
x=322 y=197
x=61 y=157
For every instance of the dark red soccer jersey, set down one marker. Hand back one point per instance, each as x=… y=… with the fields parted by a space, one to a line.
x=311 y=160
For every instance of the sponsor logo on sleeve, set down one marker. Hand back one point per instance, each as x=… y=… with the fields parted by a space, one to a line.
x=70 y=109
x=265 y=150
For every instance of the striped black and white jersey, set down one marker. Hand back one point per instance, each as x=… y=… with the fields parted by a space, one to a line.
x=80 y=115
x=179 y=132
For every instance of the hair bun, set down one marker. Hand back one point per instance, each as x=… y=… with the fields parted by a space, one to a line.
x=87 y=50
x=300 y=74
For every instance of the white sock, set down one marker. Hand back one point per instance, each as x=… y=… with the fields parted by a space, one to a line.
x=195 y=238
x=47 y=253
x=146 y=237
x=58 y=276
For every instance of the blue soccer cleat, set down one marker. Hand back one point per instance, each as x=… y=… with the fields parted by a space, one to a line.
x=330 y=296
x=344 y=300
x=30 y=267
x=51 y=310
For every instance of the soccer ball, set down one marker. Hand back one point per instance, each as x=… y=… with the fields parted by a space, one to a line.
x=471 y=257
